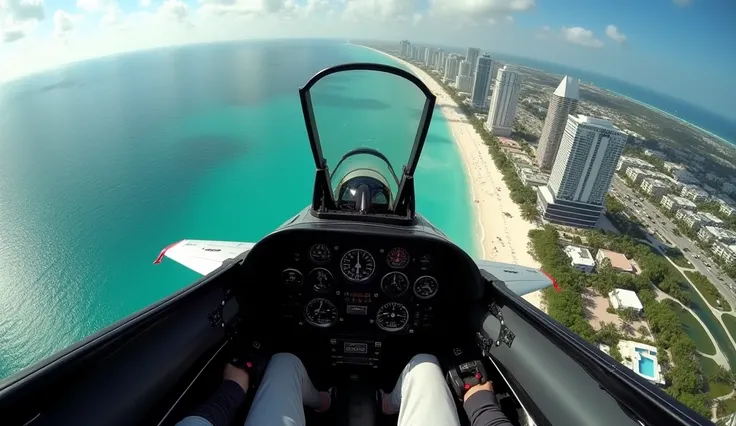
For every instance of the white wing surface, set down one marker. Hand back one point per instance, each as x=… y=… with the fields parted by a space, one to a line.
x=203 y=256
x=519 y=279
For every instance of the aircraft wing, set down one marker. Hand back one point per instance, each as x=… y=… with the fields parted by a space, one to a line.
x=519 y=279
x=203 y=256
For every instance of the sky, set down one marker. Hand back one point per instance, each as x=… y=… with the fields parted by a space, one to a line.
x=684 y=48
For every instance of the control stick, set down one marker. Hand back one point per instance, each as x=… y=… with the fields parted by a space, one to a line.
x=253 y=362
x=465 y=376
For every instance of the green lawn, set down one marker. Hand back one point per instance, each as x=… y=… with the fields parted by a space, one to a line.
x=713 y=389
x=729 y=407
x=709 y=291
x=681 y=261
x=693 y=329
x=730 y=322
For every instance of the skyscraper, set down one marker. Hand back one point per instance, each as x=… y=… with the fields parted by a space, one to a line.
x=464 y=83
x=582 y=172
x=440 y=60
x=482 y=82
x=452 y=65
x=563 y=102
x=503 y=101
x=405 y=48
x=464 y=68
x=472 y=57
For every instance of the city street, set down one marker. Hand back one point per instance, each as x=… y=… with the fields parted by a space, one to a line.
x=664 y=226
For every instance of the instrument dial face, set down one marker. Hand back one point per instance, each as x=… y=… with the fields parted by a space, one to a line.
x=398 y=258
x=320 y=279
x=425 y=287
x=392 y=317
x=291 y=277
x=394 y=284
x=357 y=265
x=320 y=253
x=320 y=312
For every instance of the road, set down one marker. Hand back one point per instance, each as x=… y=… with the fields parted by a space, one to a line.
x=664 y=227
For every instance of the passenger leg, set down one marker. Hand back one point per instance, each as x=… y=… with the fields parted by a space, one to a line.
x=421 y=396
x=283 y=393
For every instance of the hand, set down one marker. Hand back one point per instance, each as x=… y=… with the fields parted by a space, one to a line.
x=237 y=375
x=485 y=386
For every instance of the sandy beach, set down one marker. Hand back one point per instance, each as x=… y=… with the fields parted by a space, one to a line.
x=502 y=232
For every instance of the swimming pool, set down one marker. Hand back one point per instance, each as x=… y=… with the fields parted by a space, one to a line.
x=646 y=364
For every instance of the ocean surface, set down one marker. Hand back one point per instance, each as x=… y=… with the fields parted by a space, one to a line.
x=105 y=162
x=716 y=124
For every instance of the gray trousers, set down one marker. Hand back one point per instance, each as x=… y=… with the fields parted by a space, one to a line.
x=420 y=395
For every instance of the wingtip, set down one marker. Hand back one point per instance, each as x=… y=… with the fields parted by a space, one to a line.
x=554 y=281
x=163 y=252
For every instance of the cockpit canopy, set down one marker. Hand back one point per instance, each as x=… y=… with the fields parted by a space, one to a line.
x=364 y=122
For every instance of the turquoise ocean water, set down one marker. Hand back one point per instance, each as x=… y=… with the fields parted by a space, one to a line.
x=105 y=162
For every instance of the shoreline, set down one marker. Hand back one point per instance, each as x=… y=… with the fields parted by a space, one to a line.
x=651 y=107
x=502 y=232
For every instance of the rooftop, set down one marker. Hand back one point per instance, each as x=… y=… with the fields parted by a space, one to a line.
x=580 y=255
x=721 y=233
x=626 y=298
x=656 y=183
x=592 y=121
x=618 y=260
x=681 y=201
x=711 y=217
x=569 y=88
x=638 y=161
x=534 y=177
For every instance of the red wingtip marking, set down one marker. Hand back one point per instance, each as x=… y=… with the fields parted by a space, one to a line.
x=554 y=281
x=163 y=252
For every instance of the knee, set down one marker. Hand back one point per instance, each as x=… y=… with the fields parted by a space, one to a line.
x=424 y=358
x=286 y=360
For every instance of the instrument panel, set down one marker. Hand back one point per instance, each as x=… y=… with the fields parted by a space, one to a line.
x=364 y=289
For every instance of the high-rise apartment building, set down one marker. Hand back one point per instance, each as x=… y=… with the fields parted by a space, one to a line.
x=563 y=102
x=581 y=176
x=481 y=82
x=503 y=101
x=464 y=68
x=472 y=56
x=452 y=66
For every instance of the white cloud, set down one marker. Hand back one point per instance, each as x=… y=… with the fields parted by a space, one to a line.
x=509 y=18
x=63 y=24
x=402 y=10
x=682 y=3
x=174 y=9
x=94 y=5
x=145 y=3
x=19 y=17
x=261 y=7
x=479 y=8
x=580 y=36
x=613 y=33
x=113 y=17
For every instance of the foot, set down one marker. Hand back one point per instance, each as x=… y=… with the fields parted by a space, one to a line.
x=385 y=404
x=325 y=401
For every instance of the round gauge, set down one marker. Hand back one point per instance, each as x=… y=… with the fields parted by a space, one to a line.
x=425 y=287
x=357 y=265
x=291 y=277
x=320 y=253
x=397 y=258
x=321 y=280
x=320 y=312
x=393 y=316
x=394 y=284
